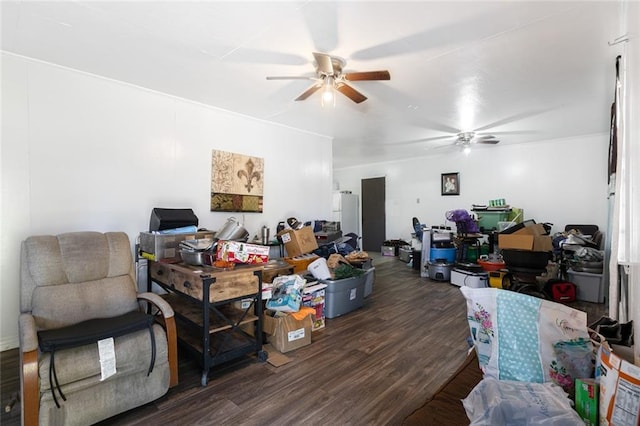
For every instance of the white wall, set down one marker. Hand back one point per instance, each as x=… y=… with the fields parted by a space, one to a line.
x=631 y=55
x=561 y=182
x=80 y=152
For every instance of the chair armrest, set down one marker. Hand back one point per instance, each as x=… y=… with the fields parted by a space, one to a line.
x=29 y=388
x=170 y=328
x=159 y=302
x=28 y=333
x=29 y=381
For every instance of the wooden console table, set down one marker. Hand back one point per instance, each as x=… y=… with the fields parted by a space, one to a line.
x=211 y=325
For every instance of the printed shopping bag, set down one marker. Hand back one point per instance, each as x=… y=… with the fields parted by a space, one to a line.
x=523 y=338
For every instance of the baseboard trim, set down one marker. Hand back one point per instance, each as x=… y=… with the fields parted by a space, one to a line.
x=9 y=343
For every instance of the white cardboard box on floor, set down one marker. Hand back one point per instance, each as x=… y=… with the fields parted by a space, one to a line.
x=463 y=278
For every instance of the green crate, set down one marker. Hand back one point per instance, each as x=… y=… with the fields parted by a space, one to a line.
x=488 y=220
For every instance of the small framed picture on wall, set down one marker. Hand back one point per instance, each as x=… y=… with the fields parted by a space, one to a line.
x=450 y=184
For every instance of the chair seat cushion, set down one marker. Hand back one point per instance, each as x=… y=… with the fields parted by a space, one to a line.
x=80 y=366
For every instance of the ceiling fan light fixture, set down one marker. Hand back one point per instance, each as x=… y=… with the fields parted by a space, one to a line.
x=466 y=136
x=466 y=149
x=328 y=95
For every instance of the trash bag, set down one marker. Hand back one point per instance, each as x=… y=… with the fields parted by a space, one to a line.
x=465 y=223
x=504 y=402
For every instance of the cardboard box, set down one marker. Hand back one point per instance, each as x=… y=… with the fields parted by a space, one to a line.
x=243 y=304
x=619 y=389
x=530 y=237
x=300 y=241
x=287 y=333
x=586 y=398
x=240 y=252
x=313 y=296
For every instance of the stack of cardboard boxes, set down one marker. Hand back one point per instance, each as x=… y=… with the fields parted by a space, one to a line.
x=299 y=243
x=525 y=236
x=286 y=332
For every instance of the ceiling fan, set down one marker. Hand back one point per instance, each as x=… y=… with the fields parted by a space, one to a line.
x=465 y=139
x=330 y=77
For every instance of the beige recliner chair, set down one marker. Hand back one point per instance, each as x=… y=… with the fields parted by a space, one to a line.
x=84 y=277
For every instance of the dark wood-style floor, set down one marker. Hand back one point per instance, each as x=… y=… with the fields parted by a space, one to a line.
x=375 y=365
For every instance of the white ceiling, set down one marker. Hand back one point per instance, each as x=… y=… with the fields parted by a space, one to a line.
x=523 y=71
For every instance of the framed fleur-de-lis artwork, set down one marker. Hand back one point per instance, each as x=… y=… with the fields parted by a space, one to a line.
x=237 y=182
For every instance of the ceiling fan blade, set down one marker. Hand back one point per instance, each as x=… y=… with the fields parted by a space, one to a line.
x=325 y=65
x=367 y=75
x=512 y=132
x=488 y=141
x=512 y=119
x=310 y=91
x=350 y=93
x=482 y=137
x=421 y=140
x=290 y=78
x=449 y=145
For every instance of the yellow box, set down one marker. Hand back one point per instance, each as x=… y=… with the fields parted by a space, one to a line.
x=301 y=263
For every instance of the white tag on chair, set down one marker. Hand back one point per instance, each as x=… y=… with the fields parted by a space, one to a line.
x=107 y=352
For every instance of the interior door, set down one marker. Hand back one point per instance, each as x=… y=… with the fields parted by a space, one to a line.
x=373 y=213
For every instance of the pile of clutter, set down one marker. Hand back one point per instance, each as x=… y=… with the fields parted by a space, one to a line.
x=338 y=267
x=465 y=222
x=582 y=252
x=299 y=303
x=289 y=319
x=542 y=364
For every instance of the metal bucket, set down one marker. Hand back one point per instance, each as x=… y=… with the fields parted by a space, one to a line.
x=439 y=271
x=232 y=230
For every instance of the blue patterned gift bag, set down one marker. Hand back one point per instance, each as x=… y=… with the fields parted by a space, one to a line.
x=524 y=338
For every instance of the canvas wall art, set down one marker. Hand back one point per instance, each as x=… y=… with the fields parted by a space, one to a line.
x=237 y=182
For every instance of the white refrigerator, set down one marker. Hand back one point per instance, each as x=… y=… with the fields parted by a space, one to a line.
x=346 y=210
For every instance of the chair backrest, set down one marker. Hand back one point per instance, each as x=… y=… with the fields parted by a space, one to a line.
x=353 y=240
x=76 y=276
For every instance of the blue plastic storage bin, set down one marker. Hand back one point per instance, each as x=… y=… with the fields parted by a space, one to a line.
x=446 y=254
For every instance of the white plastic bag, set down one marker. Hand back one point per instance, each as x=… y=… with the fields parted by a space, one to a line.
x=503 y=402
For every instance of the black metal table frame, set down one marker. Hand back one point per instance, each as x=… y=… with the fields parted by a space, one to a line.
x=206 y=358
